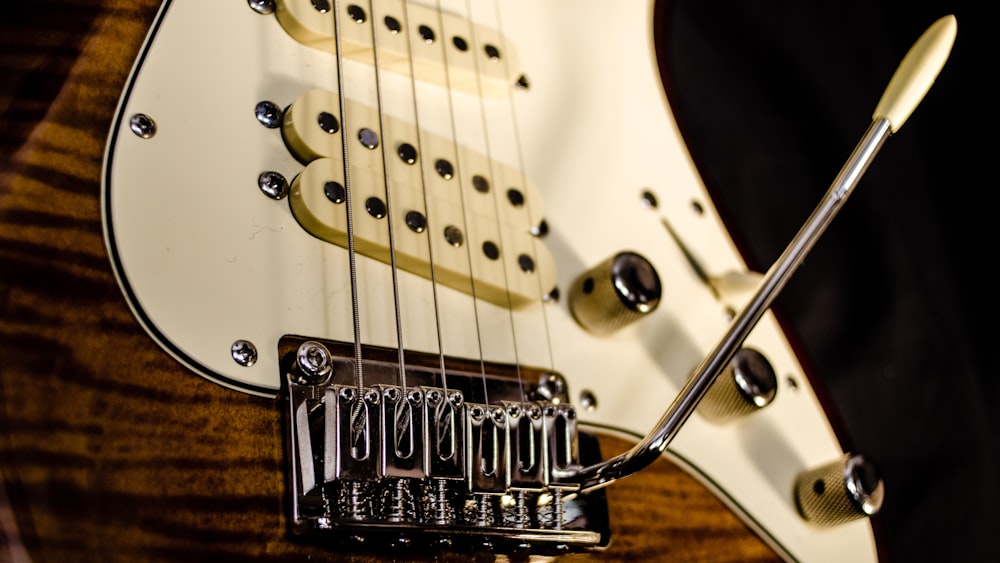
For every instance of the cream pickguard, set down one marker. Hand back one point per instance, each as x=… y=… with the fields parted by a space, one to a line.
x=206 y=259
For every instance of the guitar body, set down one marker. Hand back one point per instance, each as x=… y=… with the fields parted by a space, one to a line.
x=128 y=271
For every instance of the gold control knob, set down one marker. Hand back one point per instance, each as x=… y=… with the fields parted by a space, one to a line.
x=839 y=492
x=745 y=387
x=615 y=293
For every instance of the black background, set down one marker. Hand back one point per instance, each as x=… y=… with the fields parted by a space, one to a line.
x=894 y=308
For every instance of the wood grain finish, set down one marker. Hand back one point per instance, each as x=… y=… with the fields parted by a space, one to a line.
x=109 y=449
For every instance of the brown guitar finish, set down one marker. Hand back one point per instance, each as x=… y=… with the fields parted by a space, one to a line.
x=108 y=450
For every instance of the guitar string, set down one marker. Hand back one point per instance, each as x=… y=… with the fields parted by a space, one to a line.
x=401 y=353
x=461 y=191
x=542 y=291
x=423 y=183
x=497 y=201
x=348 y=200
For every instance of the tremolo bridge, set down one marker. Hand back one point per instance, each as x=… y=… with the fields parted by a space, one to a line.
x=435 y=451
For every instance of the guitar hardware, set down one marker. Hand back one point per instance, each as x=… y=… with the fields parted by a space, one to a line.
x=615 y=293
x=268 y=114
x=455 y=465
x=840 y=491
x=906 y=89
x=272 y=184
x=450 y=440
x=244 y=353
x=747 y=385
x=143 y=126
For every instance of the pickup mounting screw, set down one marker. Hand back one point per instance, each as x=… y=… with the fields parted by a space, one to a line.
x=273 y=184
x=268 y=114
x=263 y=7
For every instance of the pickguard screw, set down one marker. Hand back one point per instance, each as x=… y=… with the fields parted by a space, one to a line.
x=143 y=126
x=729 y=314
x=244 y=353
x=588 y=400
x=648 y=200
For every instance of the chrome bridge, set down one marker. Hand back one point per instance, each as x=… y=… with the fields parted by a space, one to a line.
x=434 y=452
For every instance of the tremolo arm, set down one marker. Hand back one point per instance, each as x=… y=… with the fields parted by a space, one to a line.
x=907 y=87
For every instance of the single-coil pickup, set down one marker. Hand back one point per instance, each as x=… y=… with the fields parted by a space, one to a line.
x=442 y=201
x=412 y=40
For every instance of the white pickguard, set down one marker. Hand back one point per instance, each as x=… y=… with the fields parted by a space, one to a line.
x=205 y=259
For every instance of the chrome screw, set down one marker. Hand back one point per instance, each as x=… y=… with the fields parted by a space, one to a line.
x=143 y=126
x=588 y=400
x=314 y=364
x=273 y=184
x=244 y=353
x=268 y=114
x=552 y=386
x=263 y=7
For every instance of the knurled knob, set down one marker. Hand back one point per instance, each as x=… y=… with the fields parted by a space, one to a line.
x=841 y=491
x=615 y=293
x=747 y=385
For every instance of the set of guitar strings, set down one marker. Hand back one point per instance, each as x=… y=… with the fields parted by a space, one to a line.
x=393 y=451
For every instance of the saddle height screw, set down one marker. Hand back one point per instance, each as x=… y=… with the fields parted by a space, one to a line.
x=557 y=509
x=143 y=126
x=244 y=353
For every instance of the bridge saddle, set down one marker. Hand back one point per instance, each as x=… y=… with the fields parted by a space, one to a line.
x=420 y=456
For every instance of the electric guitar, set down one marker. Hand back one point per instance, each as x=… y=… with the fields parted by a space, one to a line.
x=311 y=279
